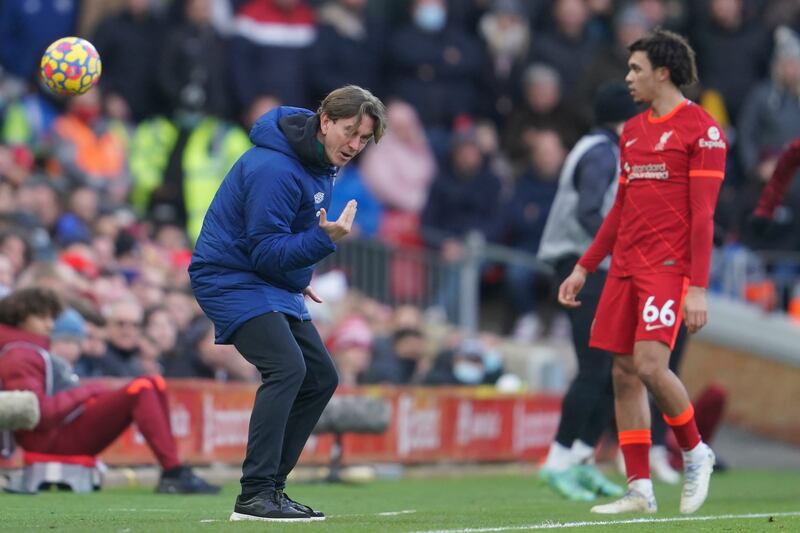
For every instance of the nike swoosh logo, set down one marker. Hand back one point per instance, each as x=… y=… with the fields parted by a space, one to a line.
x=651 y=327
x=630 y=143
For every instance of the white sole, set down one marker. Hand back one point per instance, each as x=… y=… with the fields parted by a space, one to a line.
x=239 y=517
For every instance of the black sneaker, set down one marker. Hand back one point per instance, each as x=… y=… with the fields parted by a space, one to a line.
x=303 y=508
x=182 y=480
x=269 y=506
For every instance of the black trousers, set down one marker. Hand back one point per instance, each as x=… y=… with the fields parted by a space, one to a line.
x=588 y=405
x=298 y=379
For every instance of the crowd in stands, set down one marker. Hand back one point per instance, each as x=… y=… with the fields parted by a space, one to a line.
x=103 y=195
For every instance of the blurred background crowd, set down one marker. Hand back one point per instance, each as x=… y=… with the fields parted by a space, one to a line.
x=102 y=195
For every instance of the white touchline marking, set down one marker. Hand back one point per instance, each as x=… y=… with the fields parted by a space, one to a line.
x=564 y=525
x=114 y=510
x=386 y=513
x=209 y=520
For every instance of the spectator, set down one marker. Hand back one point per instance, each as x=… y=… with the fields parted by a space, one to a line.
x=506 y=30
x=6 y=275
x=399 y=357
x=27 y=29
x=128 y=43
x=523 y=216
x=269 y=48
x=610 y=62
x=463 y=198
x=202 y=358
x=121 y=359
x=90 y=149
x=17 y=249
x=349 y=49
x=567 y=46
x=350 y=185
x=463 y=365
x=771 y=114
x=193 y=71
x=437 y=68
x=67 y=336
x=159 y=327
x=543 y=108
x=730 y=31
x=400 y=169
x=350 y=344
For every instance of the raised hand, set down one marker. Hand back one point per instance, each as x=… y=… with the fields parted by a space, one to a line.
x=340 y=228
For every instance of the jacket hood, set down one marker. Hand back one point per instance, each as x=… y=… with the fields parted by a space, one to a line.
x=10 y=334
x=266 y=132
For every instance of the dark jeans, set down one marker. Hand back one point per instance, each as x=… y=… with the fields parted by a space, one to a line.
x=298 y=378
x=589 y=402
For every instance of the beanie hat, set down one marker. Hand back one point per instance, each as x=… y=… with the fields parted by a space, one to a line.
x=69 y=324
x=613 y=103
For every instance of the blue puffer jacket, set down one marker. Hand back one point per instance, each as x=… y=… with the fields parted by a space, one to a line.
x=261 y=237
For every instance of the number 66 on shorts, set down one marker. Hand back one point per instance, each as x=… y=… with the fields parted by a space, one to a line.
x=637 y=308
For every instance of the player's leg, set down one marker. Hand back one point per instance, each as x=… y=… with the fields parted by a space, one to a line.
x=661 y=301
x=659 y=454
x=106 y=416
x=630 y=398
x=267 y=342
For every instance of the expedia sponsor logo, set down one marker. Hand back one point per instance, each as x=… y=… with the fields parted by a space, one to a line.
x=650 y=171
x=702 y=143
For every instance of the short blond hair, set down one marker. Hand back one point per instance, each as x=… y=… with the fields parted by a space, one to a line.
x=354 y=101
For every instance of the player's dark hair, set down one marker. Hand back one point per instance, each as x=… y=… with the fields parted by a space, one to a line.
x=33 y=301
x=672 y=51
x=353 y=101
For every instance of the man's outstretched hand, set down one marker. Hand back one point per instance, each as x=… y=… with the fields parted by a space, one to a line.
x=340 y=228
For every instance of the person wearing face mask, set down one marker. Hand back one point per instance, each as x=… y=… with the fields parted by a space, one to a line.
x=471 y=362
x=89 y=148
x=437 y=67
x=264 y=232
x=506 y=31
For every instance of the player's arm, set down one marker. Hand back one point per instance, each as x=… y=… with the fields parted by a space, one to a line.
x=606 y=236
x=773 y=193
x=706 y=171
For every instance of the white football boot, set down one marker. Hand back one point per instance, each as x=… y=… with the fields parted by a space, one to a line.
x=697 y=468
x=634 y=501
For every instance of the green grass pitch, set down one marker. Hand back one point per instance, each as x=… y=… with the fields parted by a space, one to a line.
x=458 y=504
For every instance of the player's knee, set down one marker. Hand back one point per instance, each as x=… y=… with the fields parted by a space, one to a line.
x=649 y=371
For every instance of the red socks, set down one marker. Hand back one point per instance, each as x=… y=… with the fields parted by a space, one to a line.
x=635 y=446
x=685 y=428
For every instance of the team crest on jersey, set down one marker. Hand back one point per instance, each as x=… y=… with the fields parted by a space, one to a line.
x=713 y=141
x=319 y=197
x=662 y=142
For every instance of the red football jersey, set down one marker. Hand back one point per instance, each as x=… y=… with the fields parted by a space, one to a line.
x=671 y=168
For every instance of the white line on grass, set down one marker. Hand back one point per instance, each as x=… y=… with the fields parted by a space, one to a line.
x=564 y=525
x=387 y=513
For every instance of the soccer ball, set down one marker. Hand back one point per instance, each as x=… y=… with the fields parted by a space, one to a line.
x=70 y=66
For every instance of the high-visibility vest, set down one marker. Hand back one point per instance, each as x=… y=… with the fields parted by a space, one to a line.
x=211 y=150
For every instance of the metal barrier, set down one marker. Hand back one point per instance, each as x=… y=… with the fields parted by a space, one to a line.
x=395 y=274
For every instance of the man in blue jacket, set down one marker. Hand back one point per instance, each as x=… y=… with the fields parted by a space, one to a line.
x=262 y=235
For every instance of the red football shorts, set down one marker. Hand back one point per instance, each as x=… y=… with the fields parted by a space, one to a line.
x=645 y=307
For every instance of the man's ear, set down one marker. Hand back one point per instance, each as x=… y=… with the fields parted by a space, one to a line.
x=324 y=123
x=662 y=73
